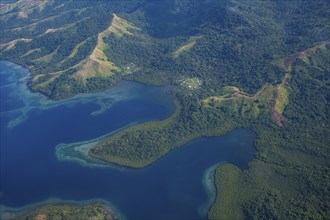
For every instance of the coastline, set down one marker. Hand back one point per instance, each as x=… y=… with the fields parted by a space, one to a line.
x=167 y=148
x=122 y=91
x=227 y=183
x=79 y=151
x=7 y=213
x=209 y=185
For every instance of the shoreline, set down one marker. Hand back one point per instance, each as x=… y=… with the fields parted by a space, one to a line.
x=79 y=151
x=83 y=147
x=7 y=212
x=19 y=75
x=209 y=185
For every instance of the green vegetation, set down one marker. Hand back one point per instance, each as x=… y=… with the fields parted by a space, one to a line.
x=282 y=99
x=186 y=47
x=226 y=205
x=139 y=158
x=97 y=64
x=263 y=65
x=284 y=151
x=288 y=177
x=94 y=211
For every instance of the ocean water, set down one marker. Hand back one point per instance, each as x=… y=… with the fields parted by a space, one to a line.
x=32 y=127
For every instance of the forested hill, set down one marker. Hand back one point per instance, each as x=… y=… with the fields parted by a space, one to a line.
x=259 y=64
x=80 y=46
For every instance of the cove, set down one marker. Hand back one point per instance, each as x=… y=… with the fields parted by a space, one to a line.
x=171 y=188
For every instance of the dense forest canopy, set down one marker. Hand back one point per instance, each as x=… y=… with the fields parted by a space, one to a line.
x=226 y=42
x=260 y=64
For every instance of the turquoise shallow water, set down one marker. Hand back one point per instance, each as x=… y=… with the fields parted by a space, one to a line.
x=32 y=127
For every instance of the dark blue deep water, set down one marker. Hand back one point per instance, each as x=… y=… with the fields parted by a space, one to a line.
x=171 y=188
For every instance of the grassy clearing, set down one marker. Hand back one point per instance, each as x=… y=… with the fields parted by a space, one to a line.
x=98 y=64
x=119 y=27
x=10 y=45
x=228 y=93
x=186 y=47
x=38 y=50
x=46 y=83
x=27 y=7
x=282 y=99
x=92 y=68
x=242 y=104
x=47 y=58
x=74 y=51
x=76 y=48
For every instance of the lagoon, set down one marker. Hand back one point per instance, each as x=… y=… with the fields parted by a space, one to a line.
x=32 y=127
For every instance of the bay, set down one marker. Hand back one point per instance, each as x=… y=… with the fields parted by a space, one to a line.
x=32 y=127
